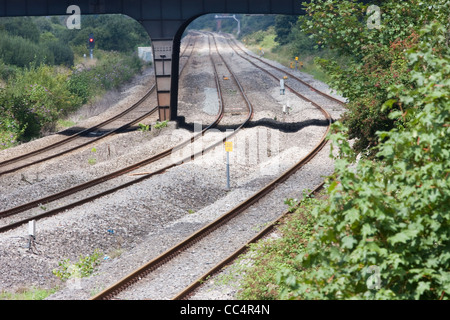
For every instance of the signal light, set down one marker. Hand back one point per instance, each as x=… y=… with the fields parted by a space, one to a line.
x=91 y=42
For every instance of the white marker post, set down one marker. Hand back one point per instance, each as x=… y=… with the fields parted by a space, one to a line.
x=228 y=149
x=31 y=234
x=32 y=228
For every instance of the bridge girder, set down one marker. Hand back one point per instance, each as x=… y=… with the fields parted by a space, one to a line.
x=164 y=21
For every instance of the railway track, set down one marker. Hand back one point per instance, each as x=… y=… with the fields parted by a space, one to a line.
x=278 y=73
x=154 y=274
x=223 y=222
x=28 y=211
x=190 y=290
x=114 y=125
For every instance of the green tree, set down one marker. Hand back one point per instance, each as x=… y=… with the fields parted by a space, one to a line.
x=284 y=24
x=375 y=56
x=23 y=27
x=20 y=52
x=388 y=220
x=111 y=32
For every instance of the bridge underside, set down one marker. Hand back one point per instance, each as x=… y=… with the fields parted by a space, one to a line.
x=165 y=22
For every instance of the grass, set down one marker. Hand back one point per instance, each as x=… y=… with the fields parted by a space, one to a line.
x=27 y=294
x=265 y=40
x=255 y=272
x=64 y=124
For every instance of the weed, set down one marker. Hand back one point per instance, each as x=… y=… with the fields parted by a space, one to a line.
x=92 y=160
x=83 y=268
x=143 y=127
x=160 y=125
x=27 y=294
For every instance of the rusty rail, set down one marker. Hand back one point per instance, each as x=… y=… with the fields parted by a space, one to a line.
x=144 y=270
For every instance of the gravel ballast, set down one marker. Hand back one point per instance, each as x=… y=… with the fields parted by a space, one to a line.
x=133 y=225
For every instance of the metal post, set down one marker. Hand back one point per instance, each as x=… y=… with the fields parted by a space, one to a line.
x=228 y=149
x=91 y=52
x=31 y=235
x=228 y=170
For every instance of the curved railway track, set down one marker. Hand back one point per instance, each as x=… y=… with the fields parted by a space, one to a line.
x=190 y=290
x=114 y=125
x=279 y=72
x=71 y=191
x=202 y=237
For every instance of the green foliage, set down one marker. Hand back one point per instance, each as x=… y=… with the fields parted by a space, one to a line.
x=35 y=94
x=22 y=43
x=144 y=127
x=160 y=125
x=61 y=53
x=111 y=32
x=263 y=260
x=6 y=71
x=23 y=27
x=39 y=95
x=84 y=267
x=376 y=57
x=20 y=52
x=300 y=44
x=283 y=26
x=27 y=294
x=91 y=159
x=10 y=127
x=114 y=70
x=34 y=98
x=392 y=213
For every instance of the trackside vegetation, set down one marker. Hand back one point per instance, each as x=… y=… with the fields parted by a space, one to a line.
x=44 y=75
x=382 y=228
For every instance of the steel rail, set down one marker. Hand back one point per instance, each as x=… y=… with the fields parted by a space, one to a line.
x=83 y=132
x=118 y=173
x=190 y=289
x=158 y=261
x=198 y=235
x=283 y=71
x=89 y=184
x=324 y=112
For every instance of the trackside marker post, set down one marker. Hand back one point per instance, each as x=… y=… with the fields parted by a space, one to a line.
x=228 y=149
x=31 y=235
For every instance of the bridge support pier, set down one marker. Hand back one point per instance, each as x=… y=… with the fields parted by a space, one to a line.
x=166 y=55
x=162 y=57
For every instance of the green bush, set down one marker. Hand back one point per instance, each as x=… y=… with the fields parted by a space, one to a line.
x=267 y=257
x=10 y=127
x=6 y=71
x=388 y=220
x=62 y=53
x=23 y=27
x=375 y=55
x=79 y=84
x=84 y=267
x=114 y=70
x=21 y=52
x=34 y=98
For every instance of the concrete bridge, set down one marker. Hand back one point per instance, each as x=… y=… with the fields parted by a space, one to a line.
x=165 y=22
